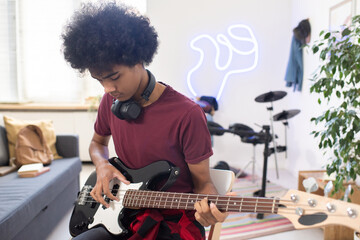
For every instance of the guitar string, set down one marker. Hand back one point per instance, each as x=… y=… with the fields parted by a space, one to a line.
x=242 y=204
x=199 y=197
x=235 y=208
x=313 y=211
x=175 y=193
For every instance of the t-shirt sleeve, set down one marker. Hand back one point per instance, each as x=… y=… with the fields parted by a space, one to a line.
x=102 y=123
x=196 y=141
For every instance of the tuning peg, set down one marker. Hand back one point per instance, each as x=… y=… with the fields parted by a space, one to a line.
x=328 y=187
x=310 y=185
x=347 y=193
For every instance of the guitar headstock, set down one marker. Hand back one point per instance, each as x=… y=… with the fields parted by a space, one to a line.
x=307 y=210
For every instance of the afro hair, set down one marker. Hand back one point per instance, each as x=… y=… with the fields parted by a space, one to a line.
x=101 y=35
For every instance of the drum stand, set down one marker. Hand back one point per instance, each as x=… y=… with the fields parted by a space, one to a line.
x=253 y=162
x=270 y=109
x=286 y=125
x=261 y=192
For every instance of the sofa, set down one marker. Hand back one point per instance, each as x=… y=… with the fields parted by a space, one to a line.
x=30 y=208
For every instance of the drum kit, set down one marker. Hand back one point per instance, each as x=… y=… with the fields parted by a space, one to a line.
x=283 y=116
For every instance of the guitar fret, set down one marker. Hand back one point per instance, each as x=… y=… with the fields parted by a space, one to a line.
x=172 y=201
x=187 y=201
x=132 y=199
x=273 y=205
x=158 y=200
x=179 y=201
x=256 y=204
x=136 y=198
x=145 y=198
x=125 y=199
x=242 y=199
x=227 y=205
x=149 y=200
x=167 y=195
x=154 y=200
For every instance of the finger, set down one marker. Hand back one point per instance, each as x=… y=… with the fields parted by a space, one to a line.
x=96 y=193
x=198 y=207
x=107 y=192
x=122 y=178
x=206 y=212
x=219 y=216
x=199 y=214
x=201 y=220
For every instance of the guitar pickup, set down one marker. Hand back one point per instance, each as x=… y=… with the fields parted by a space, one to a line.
x=114 y=192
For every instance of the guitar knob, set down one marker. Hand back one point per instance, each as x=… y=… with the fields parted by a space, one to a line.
x=299 y=211
x=294 y=198
x=331 y=207
x=312 y=202
x=352 y=213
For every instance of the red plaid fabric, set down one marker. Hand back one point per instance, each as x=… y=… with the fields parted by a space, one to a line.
x=158 y=224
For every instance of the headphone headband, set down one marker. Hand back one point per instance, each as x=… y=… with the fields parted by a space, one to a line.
x=150 y=87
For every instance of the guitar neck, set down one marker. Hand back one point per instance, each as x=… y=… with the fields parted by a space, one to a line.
x=186 y=201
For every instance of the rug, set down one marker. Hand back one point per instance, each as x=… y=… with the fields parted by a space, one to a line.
x=246 y=225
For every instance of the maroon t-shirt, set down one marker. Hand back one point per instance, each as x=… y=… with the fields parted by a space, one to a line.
x=173 y=128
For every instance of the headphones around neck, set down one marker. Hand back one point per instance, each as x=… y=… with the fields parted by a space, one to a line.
x=130 y=109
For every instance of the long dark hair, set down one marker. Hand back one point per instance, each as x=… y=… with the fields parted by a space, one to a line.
x=302 y=31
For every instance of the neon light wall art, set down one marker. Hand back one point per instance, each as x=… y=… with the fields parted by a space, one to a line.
x=233 y=54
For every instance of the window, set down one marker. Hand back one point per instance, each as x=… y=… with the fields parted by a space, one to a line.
x=9 y=87
x=32 y=65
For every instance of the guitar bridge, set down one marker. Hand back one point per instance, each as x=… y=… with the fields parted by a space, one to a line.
x=83 y=195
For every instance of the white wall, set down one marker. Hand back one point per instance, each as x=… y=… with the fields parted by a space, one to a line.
x=271 y=25
x=272 y=21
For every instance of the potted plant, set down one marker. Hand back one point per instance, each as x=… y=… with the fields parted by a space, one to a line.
x=338 y=80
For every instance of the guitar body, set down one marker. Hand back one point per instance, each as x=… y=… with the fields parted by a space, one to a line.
x=88 y=214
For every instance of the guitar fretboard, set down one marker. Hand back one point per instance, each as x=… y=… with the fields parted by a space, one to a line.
x=169 y=200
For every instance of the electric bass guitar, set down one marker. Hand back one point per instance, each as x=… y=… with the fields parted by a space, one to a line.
x=304 y=210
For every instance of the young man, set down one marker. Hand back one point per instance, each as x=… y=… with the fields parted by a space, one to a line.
x=114 y=43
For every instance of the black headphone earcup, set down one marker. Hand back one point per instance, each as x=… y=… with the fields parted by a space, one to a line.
x=128 y=110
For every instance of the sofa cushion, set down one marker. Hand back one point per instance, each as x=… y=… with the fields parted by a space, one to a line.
x=4 y=152
x=21 y=199
x=13 y=126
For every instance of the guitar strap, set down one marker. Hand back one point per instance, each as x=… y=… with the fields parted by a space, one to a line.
x=174 y=173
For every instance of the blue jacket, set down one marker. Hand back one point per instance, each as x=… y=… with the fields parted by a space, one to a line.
x=294 y=71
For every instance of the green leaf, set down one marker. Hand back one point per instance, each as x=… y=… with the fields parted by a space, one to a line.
x=327 y=35
x=338 y=94
x=315 y=49
x=345 y=32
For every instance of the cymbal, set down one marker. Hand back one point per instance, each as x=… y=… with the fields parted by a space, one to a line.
x=284 y=115
x=270 y=96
